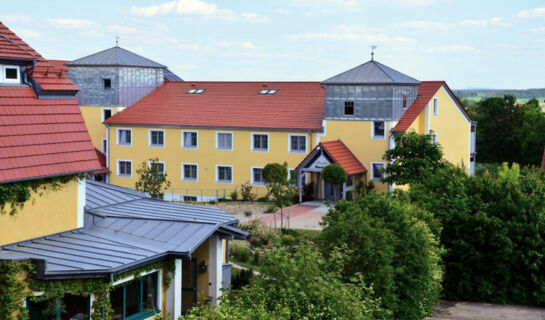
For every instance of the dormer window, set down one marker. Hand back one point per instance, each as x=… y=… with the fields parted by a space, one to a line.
x=404 y=101
x=10 y=74
x=349 y=108
x=196 y=91
x=268 y=91
x=107 y=83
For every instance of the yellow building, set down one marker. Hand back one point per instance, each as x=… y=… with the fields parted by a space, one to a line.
x=211 y=137
x=55 y=225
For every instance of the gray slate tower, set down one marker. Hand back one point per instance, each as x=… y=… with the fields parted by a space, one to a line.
x=371 y=91
x=116 y=77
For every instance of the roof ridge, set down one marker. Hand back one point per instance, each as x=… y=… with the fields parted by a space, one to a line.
x=380 y=66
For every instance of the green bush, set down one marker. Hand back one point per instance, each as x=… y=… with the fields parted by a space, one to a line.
x=271 y=208
x=393 y=248
x=246 y=191
x=493 y=233
x=260 y=234
x=234 y=195
x=288 y=240
x=263 y=199
x=239 y=250
x=298 y=284
x=240 y=277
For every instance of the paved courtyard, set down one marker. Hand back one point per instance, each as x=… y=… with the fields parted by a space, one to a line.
x=451 y=310
x=306 y=215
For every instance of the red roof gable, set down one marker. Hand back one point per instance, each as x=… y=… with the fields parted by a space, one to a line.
x=296 y=105
x=426 y=91
x=343 y=156
x=40 y=137
x=11 y=46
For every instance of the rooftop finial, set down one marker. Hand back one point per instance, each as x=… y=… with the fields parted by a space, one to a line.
x=373 y=47
x=117 y=41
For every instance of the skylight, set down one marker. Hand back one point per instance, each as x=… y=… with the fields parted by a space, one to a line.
x=268 y=91
x=196 y=91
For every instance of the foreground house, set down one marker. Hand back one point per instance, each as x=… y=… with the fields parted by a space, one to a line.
x=76 y=247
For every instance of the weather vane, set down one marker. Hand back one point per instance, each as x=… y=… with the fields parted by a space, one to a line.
x=117 y=41
x=373 y=47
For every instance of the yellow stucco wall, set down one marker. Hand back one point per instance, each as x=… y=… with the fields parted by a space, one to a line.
x=51 y=212
x=202 y=254
x=93 y=120
x=241 y=158
x=356 y=135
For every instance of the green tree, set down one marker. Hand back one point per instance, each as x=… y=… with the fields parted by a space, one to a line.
x=493 y=232
x=279 y=188
x=150 y=180
x=334 y=174
x=413 y=159
x=297 y=282
x=394 y=248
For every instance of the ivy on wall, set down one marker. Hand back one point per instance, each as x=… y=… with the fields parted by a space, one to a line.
x=17 y=193
x=17 y=283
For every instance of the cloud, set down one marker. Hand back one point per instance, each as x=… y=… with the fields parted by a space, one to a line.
x=26 y=33
x=282 y=11
x=72 y=23
x=424 y=25
x=232 y=44
x=197 y=8
x=540 y=30
x=349 y=33
x=532 y=13
x=121 y=29
x=14 y=18
x=492 y=22
x=453 y=48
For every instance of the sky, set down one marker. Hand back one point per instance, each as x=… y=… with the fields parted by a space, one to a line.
x=470 y=44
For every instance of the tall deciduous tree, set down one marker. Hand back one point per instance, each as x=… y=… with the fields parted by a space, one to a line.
x=150 y=180
x=413 y=158
x=278 y=186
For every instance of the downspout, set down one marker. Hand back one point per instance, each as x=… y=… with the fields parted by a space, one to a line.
x=27 y=71
x=108 y=153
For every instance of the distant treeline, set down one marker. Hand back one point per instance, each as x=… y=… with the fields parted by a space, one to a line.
x=489 y=93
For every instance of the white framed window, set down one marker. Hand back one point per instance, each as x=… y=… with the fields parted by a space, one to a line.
x=260 y=142
x=156 y=138
x=378 y=130
x=190 y=199
x=106 y=113
x=10 y=74
x=297 y=143
x=124 y=137
x=157 y=167
x=124 y=168
x=190 y=139
x=257 y=176
x=190 y=172
x=224 y=141
x=435 y=107
x=434 y=137
x=377 y=170
x=224 y=174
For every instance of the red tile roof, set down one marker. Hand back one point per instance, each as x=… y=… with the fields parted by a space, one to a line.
x=296 y=105
x=343 y=156
x=426 y=91
x=102 y=160
x=40 y=137
x=11 y=46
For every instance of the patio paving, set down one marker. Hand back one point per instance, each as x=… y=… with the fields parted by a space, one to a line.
x=307 y=215
x=452 y=310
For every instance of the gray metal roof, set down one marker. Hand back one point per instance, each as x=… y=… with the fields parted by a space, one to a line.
x=171 y=76
x=123 y=234
x=100 y=194
x=115 y=56
x=372 y=72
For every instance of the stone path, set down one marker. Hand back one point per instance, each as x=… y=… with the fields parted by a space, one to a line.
x=451 y=310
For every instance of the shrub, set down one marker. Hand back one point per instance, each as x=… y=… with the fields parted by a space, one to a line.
x=260 y=234
x=263 y=199
x=241 y=277
x=234 y=195
x=212 y=202
x=246 y=191
x=239 y=250
x=270 y=208
x=493 y=233
x=287 y=240
x=393 y=248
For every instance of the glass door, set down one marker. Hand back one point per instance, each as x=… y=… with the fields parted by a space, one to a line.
x=189 y=285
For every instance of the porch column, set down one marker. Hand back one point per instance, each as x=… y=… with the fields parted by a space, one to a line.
x=299 y=174
x=215 y=265
x=173 y=303
x=344 y=190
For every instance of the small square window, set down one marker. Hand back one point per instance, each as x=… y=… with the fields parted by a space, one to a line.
x=196 y=91
x=157 y=167
x=377 y=171
x=225 y=174
x=189 y=139
x=298 y=144
x=260 y=142
x=268 y=91
x=224 y=141
x=349 y=108
x=12 y=73
x=124 y=168
x=124 y=137
x=189 y=172
x=107 y=83
x=106 y=113
x=157 y=138
x=378 y=129
x=190 y=199
x=257 y=176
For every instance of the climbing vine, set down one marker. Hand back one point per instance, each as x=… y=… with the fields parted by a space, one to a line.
x=16 y=283
x=17 y=193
